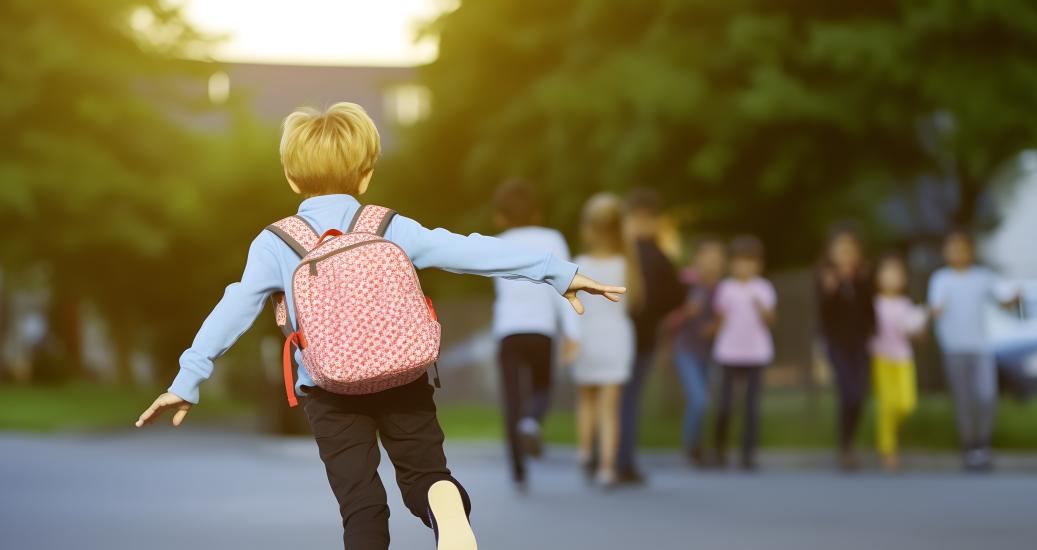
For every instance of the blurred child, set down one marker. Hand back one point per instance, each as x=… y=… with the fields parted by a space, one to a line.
x=329 y=158
x=846 y=304
x=607 y=347
x=893 y=367
x=656 y=291
x=744 y=304
x=693 y=341
x=527 y=319
x=958 y=296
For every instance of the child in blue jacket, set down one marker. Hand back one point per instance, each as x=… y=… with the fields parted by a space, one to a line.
x=329 y=158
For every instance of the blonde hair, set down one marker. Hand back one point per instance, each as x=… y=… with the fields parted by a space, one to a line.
x=329 y=152
x=602 y=222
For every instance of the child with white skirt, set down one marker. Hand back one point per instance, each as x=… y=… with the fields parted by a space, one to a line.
x=607 y=347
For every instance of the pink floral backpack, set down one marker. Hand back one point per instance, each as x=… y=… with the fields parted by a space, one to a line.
x=363 y=323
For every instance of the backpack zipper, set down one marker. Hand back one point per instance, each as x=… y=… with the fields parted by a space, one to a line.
x=313 y=262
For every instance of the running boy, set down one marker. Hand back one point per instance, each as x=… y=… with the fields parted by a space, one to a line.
x=329 y=158
x=745 y=304
x=958 y=296
x=526 y=323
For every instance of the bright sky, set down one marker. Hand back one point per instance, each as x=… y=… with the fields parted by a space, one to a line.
x=320 y=32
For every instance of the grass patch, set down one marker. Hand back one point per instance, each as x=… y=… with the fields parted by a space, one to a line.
x=82 y=406
x=789 y=419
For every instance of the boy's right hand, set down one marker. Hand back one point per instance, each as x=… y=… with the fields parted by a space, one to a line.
x=166 y=401
x=586 y=284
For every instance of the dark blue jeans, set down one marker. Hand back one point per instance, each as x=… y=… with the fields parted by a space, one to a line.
x=630 y=412
x=693 y=371
x=852 y=367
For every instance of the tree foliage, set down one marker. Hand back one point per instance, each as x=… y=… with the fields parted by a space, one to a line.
x=118 y=179
x=774 y=117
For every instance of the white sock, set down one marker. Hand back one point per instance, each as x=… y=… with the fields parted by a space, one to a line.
x=529 y=426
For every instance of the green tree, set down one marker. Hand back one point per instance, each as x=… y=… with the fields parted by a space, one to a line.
x=118 y=179
x=767 y=116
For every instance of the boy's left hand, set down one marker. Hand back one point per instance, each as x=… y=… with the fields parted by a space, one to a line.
x=590 y=286
x=165 y=402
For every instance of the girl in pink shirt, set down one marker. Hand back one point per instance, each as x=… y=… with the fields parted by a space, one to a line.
x=893 y=368
x=745 y=305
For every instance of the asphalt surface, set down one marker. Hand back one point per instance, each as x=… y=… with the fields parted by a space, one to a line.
x=163 y=489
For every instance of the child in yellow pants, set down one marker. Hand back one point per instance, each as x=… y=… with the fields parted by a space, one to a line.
x=893 y=366
x=894 y=382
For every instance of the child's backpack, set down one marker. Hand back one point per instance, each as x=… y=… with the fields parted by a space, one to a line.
x=362 y=322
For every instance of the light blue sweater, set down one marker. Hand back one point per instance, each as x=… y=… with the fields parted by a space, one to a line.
x=271 y=262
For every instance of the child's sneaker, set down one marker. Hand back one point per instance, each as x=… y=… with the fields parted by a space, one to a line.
x=588 y=466
x=449 y=520
x=978 y=460
x=607 y=479
x=696 y=457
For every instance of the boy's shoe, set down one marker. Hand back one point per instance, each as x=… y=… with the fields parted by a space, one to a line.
x=588 y=467
x=529 y=437
x=696 y=457
x=848 y=461
x=449 y=520
x=630 y=477
x=978 y=460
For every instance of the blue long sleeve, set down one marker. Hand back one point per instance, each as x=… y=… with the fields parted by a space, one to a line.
x=478 y=254
x=232 y=316
x=270 y=264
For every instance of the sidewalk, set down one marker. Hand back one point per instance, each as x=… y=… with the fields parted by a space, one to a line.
x=166 y=489
x=790 y=460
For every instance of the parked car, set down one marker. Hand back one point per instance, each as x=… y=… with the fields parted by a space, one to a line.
x=1013 y=334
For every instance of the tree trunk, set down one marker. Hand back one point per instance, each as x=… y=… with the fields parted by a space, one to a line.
x=65 y=341
x=969 y=190
x=122 y=347
x=5 y=322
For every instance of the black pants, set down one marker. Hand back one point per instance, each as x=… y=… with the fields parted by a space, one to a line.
x=347 y=428
x=852 y=365
x=525 y=374
x=630 y=412
x=749 y=377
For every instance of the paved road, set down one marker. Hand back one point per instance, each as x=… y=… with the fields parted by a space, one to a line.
x=202 y=490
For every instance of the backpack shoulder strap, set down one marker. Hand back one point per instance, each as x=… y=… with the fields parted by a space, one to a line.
x=296 y=233
x=370 y=218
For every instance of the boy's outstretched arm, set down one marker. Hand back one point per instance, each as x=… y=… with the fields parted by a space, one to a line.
x=492 y=257
x=232 y=316
x=567 y=318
